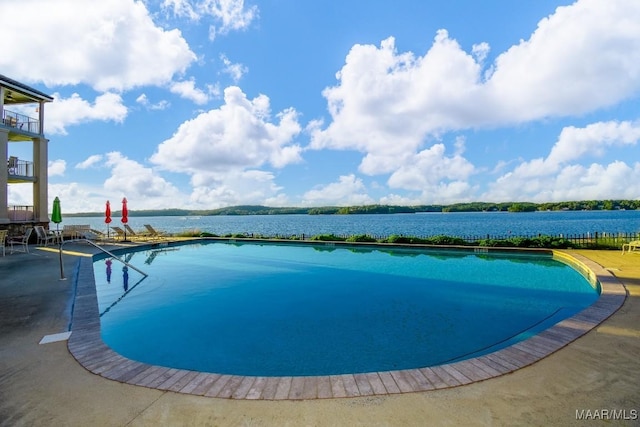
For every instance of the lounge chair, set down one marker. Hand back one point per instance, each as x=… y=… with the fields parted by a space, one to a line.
x=74 y=231
x=133 y=234
x=21 y=241
x=44 y=236
x=153 y=233
x=119 y=232
x=634 y=245
x=100 y=235
x=3 y=239
x=92 y=234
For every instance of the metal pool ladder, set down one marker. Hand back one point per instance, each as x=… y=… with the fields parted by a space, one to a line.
x=101 y=249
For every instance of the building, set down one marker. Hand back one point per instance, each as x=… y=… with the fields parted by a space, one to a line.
x=19 y=104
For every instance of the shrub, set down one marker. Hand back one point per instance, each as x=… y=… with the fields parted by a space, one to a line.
x=445 y=240
x=190 y=233
x=206 y=234
x=394 y=238
x=525 y=242
x=551 y=242
x=328 y=238
x=521 y=242
x=361 y=238
x=492 y=243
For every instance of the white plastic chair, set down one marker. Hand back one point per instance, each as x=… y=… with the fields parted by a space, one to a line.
x=632 y=246
x=21 y=241
x=45 y=237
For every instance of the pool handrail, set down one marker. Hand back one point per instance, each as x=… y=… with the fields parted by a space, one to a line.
x=101 y=249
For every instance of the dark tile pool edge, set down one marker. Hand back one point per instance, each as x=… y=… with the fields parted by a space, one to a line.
x=87 y=347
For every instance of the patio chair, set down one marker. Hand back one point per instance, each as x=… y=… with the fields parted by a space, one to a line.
x=632 y=246
x=119 y=232
x=132 y=234
x=74 y=231
x=153 y=233
x=44 y=236
x=3 y=239
x=94 y=234
x=12 y=164
x=21 y=241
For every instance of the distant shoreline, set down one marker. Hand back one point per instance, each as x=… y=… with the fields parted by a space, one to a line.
x=590 y=205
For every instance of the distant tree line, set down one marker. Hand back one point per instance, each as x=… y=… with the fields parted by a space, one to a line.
x=589 y=205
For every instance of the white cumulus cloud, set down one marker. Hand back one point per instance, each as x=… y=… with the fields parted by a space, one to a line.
x=234 y=70
x=389 y=105
x=428 y=168
x=56 y=167
x=237 y=187
x=559 y=177
x=64 y=112
x=90 y=161
x=108 y=45
x=160 y=105
x=241 y=134
x=583 y=57
x=187 y=89
x=347 y=191
x=130 y=178
x=593 y=139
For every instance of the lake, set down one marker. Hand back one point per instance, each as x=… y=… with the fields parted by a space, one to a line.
x=497 y=224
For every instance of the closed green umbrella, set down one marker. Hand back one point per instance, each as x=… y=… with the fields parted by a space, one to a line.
x=56 y=213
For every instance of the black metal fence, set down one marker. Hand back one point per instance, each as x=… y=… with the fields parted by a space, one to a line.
x=585 y=240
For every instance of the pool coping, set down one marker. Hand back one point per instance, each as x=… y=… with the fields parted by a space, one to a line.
x=87 y=347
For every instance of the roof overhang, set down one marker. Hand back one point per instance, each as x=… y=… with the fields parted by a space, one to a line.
x=19 y=93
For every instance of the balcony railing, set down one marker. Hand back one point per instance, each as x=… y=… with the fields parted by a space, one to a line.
x=19 y=168
x=20 y=121
x=20 y=213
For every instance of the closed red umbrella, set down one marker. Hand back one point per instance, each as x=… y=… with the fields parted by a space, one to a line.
x=125 y=214
x=125 y=211
x=107 y=216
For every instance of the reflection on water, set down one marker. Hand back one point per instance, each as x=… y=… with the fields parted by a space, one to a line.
x=108 y=263
x=154 y=253
x=110 y=296
x=125 y=278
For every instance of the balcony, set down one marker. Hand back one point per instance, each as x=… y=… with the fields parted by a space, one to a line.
x=20 y=213
x=19 y=171
x=20 y=122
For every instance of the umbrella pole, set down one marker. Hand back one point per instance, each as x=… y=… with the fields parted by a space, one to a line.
x=60 y=253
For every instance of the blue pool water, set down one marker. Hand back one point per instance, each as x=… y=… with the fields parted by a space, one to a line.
x=290 y=310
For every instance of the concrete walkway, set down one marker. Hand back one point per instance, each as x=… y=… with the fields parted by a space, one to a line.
x=43 y=385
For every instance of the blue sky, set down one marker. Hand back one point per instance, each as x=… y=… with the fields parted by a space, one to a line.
x=209 y=103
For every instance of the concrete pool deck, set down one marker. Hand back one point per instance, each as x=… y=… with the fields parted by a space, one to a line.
x=45 y=385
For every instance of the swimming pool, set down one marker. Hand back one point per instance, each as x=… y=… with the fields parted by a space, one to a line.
x=300 y=310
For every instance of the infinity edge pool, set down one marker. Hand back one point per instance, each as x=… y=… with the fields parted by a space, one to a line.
x=90 y=351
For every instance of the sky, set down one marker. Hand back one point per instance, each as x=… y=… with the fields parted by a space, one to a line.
x=201 y=104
